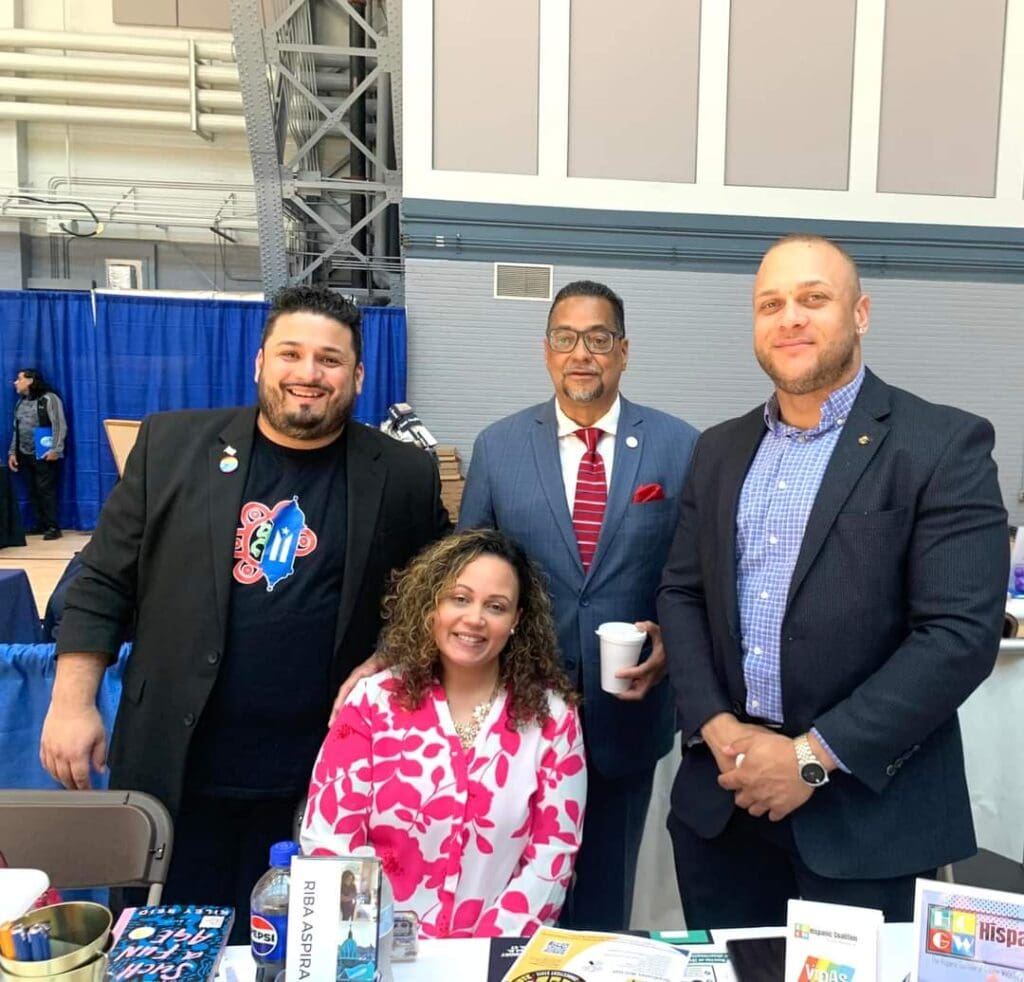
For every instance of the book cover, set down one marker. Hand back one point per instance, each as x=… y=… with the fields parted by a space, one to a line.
x=171 y=943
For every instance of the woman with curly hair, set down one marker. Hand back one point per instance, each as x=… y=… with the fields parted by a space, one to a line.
x=462 y=762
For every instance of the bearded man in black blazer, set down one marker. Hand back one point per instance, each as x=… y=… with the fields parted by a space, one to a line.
x=251 y=547
x=833 y=593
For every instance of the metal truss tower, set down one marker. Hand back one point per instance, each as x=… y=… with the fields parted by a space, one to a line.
x=319 y=80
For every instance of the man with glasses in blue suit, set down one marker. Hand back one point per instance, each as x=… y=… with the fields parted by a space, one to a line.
x=588 y=483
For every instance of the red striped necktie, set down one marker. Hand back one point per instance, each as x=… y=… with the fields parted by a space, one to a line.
x=591 y=496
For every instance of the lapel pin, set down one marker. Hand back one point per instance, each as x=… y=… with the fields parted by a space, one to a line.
x=632 y=442
x=228 y=464
x=864 y=440
x=230 y=450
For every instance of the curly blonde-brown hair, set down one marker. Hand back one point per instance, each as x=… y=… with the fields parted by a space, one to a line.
x=529 y=666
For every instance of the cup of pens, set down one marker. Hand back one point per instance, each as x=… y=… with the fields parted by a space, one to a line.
x=64 y=942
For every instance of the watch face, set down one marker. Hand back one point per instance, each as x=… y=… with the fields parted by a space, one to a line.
x=813 y=774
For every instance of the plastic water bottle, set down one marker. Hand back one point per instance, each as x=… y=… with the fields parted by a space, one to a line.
x=268 y=917
x=386 y=924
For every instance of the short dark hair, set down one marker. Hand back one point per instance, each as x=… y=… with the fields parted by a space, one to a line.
x=316 y=300
x=38 y=385
x=813 y=238
x=591 y=288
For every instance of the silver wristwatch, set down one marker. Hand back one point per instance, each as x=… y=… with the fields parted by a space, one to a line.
x=812 y=771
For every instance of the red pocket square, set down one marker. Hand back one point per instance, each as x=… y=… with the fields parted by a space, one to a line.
x=648 y=492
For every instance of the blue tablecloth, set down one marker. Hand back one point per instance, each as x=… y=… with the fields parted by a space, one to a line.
x=11 y=531
x=26 y=678
x=19 y=619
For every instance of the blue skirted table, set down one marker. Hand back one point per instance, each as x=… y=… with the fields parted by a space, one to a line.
x=19 y=619
x=26 y=679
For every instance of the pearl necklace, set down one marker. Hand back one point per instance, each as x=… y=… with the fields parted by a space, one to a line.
x=467 y=732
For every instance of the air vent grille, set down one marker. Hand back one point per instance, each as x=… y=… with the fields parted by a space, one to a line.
x=522 y=281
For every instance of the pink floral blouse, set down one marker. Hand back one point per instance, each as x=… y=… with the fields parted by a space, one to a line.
x=477 y=843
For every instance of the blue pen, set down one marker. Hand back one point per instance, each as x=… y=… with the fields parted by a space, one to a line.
x=44 y=942
x=22 y=951
x=35 y=942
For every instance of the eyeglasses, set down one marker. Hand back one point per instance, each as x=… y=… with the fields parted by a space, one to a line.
x=597 y=340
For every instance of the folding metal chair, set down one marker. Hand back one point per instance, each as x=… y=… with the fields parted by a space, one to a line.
x=89 y=838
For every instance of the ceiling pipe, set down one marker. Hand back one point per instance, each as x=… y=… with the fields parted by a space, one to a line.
x=14 y=209
x=159 y=71
x=79 y=91
x=38 y=112
x=19 y=37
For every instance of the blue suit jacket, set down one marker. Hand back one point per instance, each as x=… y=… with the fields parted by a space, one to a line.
x=893 y=617
x=515 y=484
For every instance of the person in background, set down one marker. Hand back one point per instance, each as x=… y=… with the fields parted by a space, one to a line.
x=250 y=547
x=37 y=447
x=833 y=593
x=461 y=763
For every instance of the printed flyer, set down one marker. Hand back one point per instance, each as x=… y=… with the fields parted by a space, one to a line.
x=965 y=933
x=553 y=955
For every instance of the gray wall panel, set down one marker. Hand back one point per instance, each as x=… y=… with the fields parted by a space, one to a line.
x=790 y=93
x=486 y=63
x=474 y=359
x=641 y=127
x=941 y=78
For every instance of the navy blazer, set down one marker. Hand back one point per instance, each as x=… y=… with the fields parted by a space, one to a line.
x=893 y=618
x=515 y=484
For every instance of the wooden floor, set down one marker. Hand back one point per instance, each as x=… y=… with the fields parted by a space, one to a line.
x=43 y=561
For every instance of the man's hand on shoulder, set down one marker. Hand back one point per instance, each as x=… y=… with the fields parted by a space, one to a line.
x=371 y=666
x=766 y=778
x=647 y=675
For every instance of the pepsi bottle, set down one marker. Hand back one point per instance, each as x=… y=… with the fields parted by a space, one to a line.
x=268 y=913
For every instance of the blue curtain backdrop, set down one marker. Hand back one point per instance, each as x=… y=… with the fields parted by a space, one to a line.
x=54 y=332
x=145 y=354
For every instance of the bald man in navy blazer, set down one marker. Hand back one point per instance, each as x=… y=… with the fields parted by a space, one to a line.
x=523 y=479
x=834 y=592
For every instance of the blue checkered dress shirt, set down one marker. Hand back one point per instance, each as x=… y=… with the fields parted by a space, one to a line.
x=775 y=502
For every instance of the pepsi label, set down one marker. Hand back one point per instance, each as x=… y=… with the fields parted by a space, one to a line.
x=269 y=936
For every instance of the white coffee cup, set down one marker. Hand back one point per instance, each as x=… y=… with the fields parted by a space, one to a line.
x=620 y=648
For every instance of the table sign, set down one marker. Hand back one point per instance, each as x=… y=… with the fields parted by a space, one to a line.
x=964 y=933
x=831 y=942
x=333 y=918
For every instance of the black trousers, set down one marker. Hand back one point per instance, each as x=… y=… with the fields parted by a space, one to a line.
x=745 y=876
x=41 y=478
x=601 y=897
x=221 y=848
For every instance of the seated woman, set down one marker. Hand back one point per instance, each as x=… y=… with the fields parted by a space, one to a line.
x=461 y=763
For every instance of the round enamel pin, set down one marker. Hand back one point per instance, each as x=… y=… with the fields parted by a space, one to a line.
x=632 y=442
x=228 y=464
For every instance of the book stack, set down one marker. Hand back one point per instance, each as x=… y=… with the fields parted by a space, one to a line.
x=450 y=467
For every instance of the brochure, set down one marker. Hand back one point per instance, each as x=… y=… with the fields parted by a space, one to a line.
x=555 y=955
x=831 y=942
x=964 y=933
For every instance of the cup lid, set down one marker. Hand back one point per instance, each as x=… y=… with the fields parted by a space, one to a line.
x=621 y=631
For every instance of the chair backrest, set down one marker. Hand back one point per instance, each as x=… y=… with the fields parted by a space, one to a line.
x=88 y=838
x=121 y=435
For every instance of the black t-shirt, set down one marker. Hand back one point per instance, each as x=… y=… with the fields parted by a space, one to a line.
x=267 y=714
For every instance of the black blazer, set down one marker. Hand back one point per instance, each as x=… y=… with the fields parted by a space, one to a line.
x=163 y=552
x=892 y=620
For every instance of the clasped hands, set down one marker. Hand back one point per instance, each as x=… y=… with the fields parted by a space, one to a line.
x=759 y=765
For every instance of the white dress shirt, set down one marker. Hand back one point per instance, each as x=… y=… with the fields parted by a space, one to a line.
x=571 y=448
